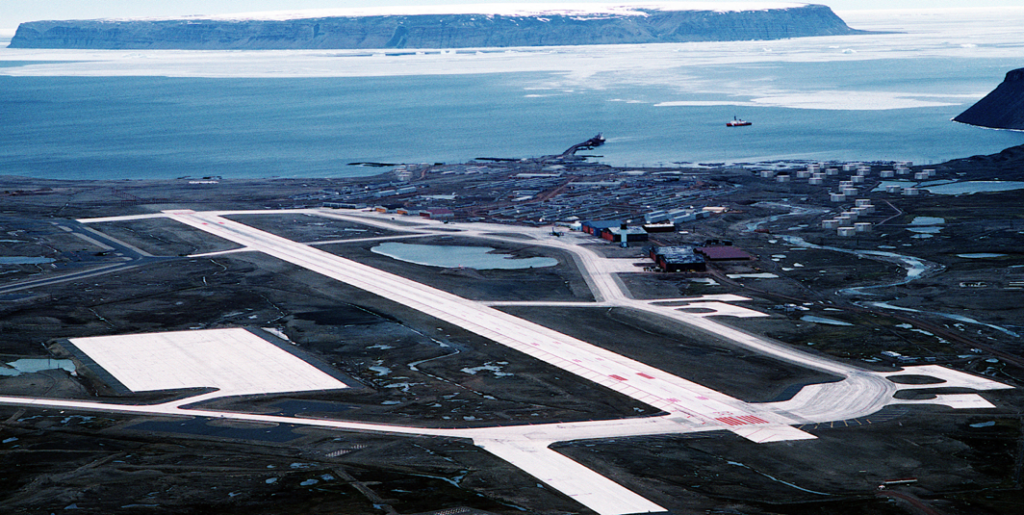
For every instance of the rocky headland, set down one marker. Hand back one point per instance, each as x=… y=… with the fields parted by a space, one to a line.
x=622 y=24
x=1003 y=108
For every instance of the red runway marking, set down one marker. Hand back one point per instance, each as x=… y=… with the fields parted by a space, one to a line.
x=753 y=420
x=731 y=421
x=645 y=376
x=618 y=378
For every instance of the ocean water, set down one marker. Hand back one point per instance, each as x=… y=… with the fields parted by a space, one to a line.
x=166 y=114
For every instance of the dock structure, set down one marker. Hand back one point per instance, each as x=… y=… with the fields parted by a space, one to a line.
x=590 y=144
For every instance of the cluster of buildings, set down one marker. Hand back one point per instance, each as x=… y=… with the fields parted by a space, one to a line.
x=664 y=220
x=528 y=191
x=437 y=213
x=614 y=231
x=849 y=178
x=848 y=181
x=677 y=216
x=846 y=223
x=692 y=258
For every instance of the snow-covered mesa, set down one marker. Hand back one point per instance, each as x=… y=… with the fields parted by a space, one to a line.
x=526 y=9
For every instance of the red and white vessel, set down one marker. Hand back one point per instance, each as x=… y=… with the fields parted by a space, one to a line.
x=736 y=122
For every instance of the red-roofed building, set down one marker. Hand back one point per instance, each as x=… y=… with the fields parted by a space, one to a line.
x=723 y=253
x=437 y=214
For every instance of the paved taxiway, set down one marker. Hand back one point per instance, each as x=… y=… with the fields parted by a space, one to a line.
x=700 y=405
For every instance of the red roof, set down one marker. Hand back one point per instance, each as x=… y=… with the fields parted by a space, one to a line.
x=723 y=253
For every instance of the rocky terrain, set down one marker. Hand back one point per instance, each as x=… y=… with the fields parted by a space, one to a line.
x=640 y=25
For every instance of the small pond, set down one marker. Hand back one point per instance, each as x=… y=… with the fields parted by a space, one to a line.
x=453 y=256
x=980 y=255
x=825 y=321
x=32 y=365
x=926 y=225
x=969 y=187
x=24 y=260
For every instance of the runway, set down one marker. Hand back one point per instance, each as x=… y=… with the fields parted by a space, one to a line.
x=702 y=406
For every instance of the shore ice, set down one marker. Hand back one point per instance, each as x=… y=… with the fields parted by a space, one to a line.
x=682 y=67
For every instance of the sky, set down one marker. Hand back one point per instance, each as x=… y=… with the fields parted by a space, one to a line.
x=13 y=12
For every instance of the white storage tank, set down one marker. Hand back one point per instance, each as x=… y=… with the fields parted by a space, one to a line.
x=862 y=202
x=837 y=197
x=847 y=231
x=893 y=188
x=816 y=181
x=862 y=226
x=887 y=174
x=849 y=191
x=830 y=224
x=911 y=192
x=857 y=179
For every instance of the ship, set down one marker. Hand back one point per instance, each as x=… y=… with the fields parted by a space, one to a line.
x=736 y=122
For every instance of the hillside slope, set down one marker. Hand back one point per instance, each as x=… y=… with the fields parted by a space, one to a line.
x=1003 y=108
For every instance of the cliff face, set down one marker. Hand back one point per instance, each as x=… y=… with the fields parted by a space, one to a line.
x=1003 y=108
x=434 y=30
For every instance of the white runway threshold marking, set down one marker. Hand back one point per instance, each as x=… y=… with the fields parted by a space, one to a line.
x=234 y=361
